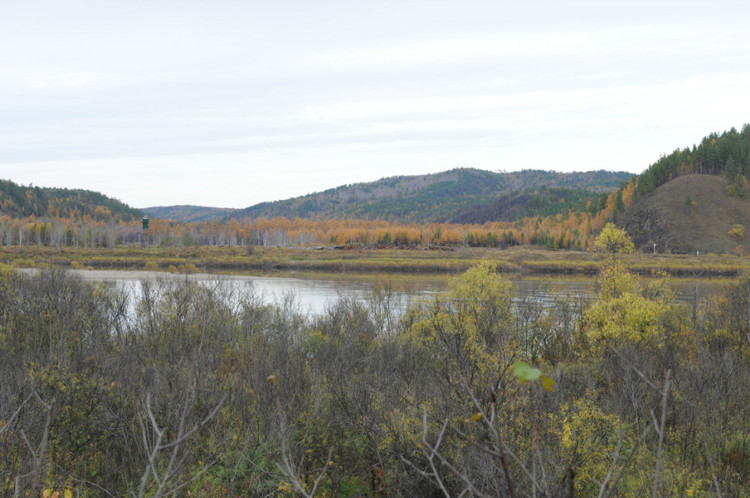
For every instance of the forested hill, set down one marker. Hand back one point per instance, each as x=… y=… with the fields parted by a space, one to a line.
x=694 y=199
x=727 y=154
x=440 y=197
x=19 y=201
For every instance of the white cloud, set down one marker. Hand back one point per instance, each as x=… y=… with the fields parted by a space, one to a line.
x=58 y=78
x=163 y=102
x=593 y=44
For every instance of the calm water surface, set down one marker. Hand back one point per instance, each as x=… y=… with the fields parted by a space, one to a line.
x=314 y=295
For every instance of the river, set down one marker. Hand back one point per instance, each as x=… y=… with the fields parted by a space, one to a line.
x=314 y=293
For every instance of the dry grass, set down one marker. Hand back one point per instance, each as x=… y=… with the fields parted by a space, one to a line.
x=699 y=214
x=522 y=260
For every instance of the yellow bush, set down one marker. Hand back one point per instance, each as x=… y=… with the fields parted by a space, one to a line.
x=737 y=231
x=624 y=312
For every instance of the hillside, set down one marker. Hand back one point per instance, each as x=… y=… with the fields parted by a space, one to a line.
x=690 y=199
x=440 y=197
x=188 y=213
x=19 y=201
x=687 y=214
x=531 y=202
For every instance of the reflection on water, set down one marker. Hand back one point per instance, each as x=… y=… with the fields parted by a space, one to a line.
x=687 y=290
x=314 y=295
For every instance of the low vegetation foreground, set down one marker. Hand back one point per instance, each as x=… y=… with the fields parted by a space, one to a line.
x=194 y=390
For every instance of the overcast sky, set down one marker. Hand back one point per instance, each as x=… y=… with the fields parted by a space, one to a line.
x=229 y=103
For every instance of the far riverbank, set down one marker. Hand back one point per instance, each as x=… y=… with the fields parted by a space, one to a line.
x=259 y=260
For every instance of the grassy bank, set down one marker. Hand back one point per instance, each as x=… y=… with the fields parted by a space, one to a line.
x=242 y=260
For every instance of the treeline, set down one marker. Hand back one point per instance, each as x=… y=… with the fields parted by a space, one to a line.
x=21 y=201
x=574 y=231
x=85 y=219
x=197 y=390
x=67 y=232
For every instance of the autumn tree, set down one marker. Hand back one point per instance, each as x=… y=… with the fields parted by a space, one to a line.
x=613 y=241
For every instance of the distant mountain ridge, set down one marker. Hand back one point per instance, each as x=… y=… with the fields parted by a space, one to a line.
x=188 y=213
x=438 y=197
x=457 y=195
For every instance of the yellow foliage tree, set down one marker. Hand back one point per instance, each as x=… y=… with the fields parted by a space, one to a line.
x=613 y=241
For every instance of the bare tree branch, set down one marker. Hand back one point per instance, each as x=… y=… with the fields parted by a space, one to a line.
x=713 y=471
x=155 y=447
x=626 y=462
x=611 y=469
x=665 y=396
x=15 y=414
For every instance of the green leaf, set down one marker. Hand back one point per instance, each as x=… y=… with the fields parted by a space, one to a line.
x=525 y=373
